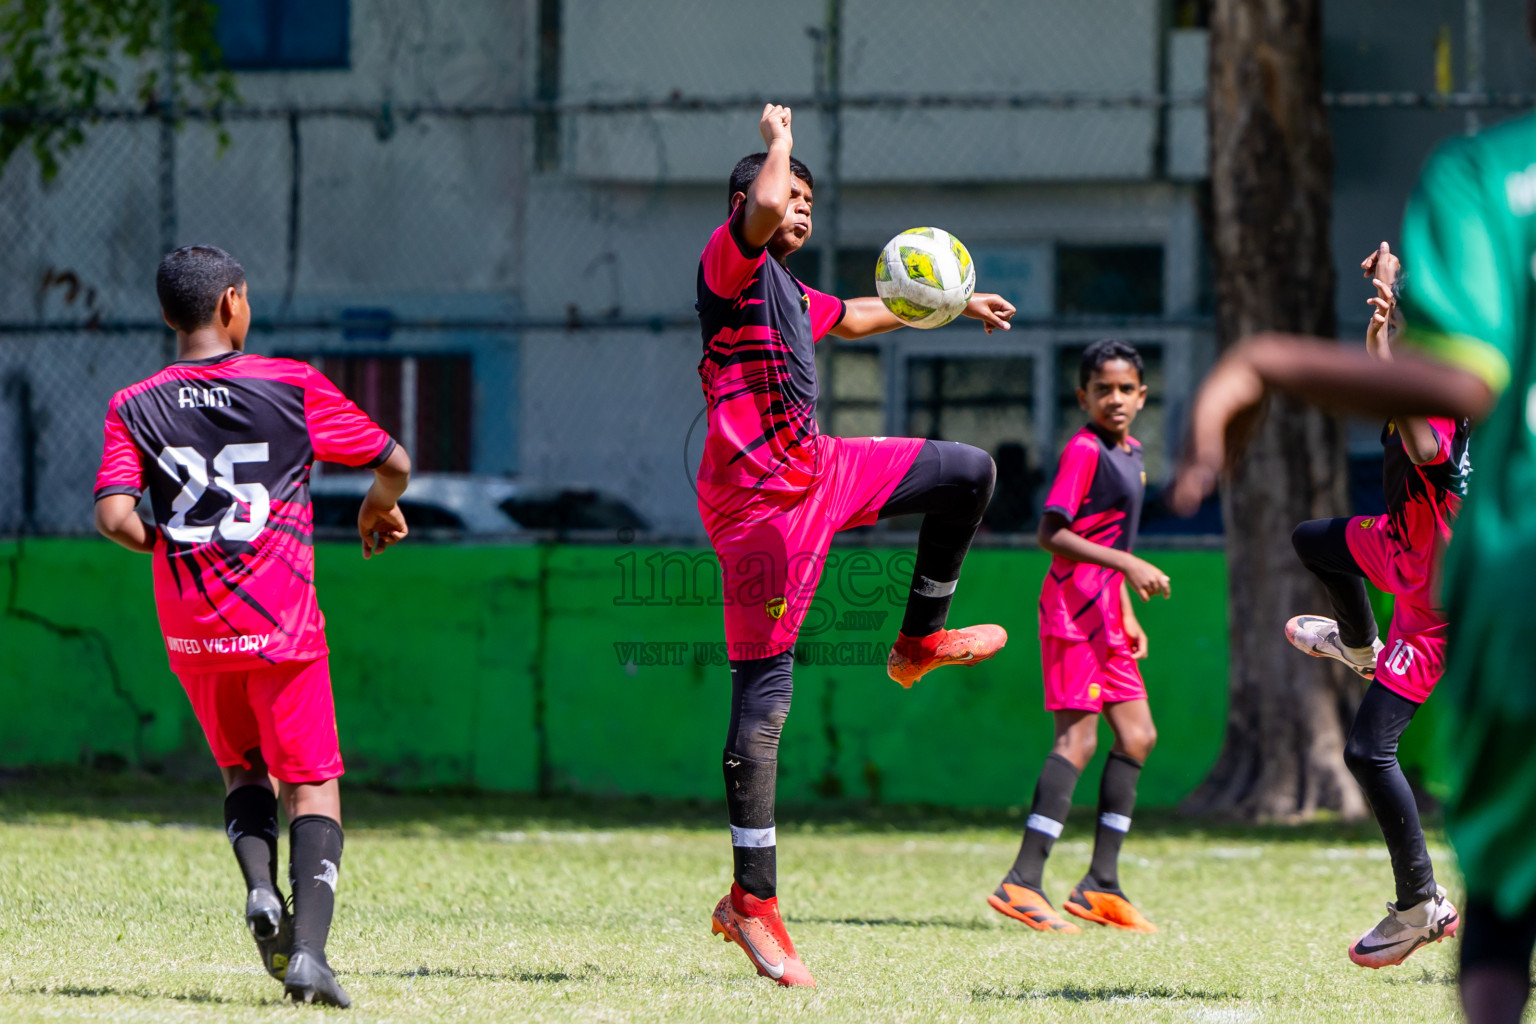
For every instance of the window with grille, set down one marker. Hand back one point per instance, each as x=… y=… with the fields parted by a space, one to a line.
x=989 y=402
x=425 y=402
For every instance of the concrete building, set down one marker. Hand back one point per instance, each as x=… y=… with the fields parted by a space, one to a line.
x=509 y=287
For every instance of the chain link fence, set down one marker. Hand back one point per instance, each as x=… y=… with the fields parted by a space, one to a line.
x=486 y=227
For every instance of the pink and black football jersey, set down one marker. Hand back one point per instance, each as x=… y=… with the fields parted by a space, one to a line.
x=1422 y=500
x=760 y=327
x=224 y=447
x=1099 y=488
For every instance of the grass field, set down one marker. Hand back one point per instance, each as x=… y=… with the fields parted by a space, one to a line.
x=120 y=901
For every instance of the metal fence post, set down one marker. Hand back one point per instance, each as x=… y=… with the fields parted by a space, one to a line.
x=168 y=143
x=829 y=76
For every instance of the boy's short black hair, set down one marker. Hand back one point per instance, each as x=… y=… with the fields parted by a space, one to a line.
x=1107 y=350
x=746 y=170
x=191 y=281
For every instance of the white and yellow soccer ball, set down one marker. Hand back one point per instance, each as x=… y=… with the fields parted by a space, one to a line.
x=925 y=277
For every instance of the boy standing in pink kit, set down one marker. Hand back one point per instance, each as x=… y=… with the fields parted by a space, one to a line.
x=1090 y=642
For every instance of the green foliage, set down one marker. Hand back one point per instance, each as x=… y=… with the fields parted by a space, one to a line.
x=64 y=56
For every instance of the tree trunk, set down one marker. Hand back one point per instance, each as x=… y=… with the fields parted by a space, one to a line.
x=1272 y=182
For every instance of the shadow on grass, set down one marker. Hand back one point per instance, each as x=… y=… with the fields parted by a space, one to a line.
x=106 y=991
x=1424 y=977
x=586 y=972
x=33 y=795
x=1103 y=993
x=899 y=922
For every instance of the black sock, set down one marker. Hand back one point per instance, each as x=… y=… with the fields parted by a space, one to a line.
x=1117 y=799
x=250 y=821
x=314 y=861
x=1048 y=812
x=1370 y=752
x=749 y=792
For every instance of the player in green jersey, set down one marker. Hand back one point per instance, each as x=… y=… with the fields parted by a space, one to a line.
x=1469 y=237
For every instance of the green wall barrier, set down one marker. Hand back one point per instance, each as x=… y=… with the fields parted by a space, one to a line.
x=601 y=670
x=966 y=736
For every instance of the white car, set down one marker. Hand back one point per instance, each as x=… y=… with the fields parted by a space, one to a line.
x=472 y=505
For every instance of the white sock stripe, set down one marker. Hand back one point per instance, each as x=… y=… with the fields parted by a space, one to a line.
x=755 y=838
x=1118 y=822
x=1040 y=823
x=925 y=587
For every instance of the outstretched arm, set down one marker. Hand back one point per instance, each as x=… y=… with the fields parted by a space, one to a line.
x=864 y=317
x=768 y=195
x=117 y=518
x=867 y=316
x=1321 y=373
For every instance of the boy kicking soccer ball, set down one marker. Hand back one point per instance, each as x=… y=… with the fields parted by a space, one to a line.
x=1424 y=470
x=1090 y=642
x=224 y=442
x=773 y=491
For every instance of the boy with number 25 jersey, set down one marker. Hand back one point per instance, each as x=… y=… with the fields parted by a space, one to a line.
x=235 y=560
x=223 y=442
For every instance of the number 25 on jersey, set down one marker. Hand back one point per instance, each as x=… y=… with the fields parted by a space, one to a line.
x=253 y=495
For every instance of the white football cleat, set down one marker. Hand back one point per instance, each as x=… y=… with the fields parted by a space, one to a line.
x=1403 y=931
x=1319 y=637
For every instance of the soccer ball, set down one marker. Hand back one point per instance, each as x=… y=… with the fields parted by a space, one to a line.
x=925 y=277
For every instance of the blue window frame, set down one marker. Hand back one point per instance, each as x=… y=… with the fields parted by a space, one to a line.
x=281 y=35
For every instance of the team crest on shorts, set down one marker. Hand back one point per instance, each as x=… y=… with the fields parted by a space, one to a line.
x=1368 y=522
x=1093 y=691
x=776 y=608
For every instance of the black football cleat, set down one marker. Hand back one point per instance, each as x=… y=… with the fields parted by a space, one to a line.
x=272 y=927
x=310 y=980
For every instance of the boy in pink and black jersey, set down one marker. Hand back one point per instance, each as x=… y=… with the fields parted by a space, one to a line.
x=223 y=442
x=1425 y=466
x=773 y=491
x=1090 y=642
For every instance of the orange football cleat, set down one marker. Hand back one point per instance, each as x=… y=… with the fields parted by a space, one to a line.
x=1024 y=904
x=1107 y=908
x=913 y=657
x=756 y=927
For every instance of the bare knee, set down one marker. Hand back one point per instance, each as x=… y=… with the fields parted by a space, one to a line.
x=322 y=798
x=1136 y=742
x=1077 y=746
x=237 y=776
